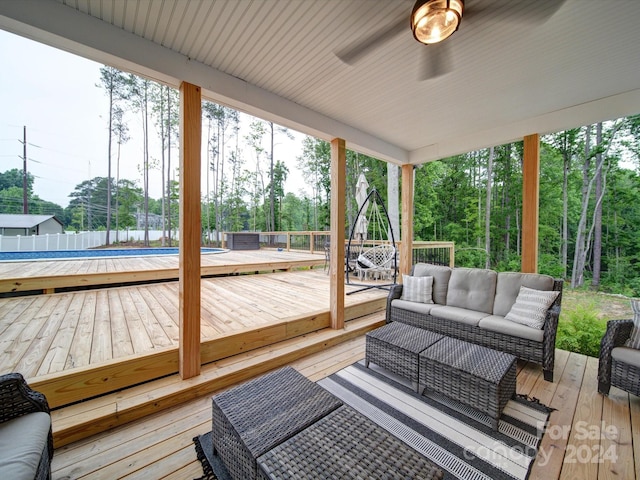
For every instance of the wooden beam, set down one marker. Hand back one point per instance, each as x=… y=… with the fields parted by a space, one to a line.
x=336 y=267
x=530 y=203
x=406 y=248
x=190 y=230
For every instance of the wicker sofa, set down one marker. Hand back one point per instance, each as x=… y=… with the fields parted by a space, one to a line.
x=26 y=441
x=476 y=305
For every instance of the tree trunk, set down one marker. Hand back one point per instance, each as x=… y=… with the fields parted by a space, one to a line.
x=597 y=217
x=487 y=213
x=507 y=204
x=107 y=239
x=566 y=156
x=577 y=275
x=145 y=126
x=272 y=212
x=169 y=165
x=393 y=200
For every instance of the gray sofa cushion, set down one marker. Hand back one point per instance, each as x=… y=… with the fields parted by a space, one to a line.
x=440 y=276
x=508 y=286
x=496 y=323
x=417 y=307
x=627 y=355
x=473 y=289
x=22 y=441
x=457 y=314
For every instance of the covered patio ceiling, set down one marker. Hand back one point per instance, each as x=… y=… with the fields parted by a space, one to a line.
x=508 y=76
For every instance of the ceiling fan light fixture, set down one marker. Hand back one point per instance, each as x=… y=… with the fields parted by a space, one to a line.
x=434 y=20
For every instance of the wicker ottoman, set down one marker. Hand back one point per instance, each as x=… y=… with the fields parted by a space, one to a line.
x=477 y=376
x=345 y=445
x=252 y=418
x=396 y=346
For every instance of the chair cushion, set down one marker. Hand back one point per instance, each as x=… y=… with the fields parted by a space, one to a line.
x=472 y=289
x=423 y=308
x=508 y=287
x=531 y=307
x=22 y=441
x=496 y=323
x=630 y=356
x=416 y=289
x=364 y=262
x=634 y=340
x=457 y=314
x=440 y=276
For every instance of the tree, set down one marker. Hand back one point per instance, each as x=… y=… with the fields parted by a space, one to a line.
x=138 y=96
x=487 y=219
x=162 y=100
x=120 y=130
x=114 y=83
x=315 y=165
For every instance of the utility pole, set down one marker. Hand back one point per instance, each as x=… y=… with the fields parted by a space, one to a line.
x=25 y=205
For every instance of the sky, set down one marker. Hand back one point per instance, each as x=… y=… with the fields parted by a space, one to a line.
x=55 y=95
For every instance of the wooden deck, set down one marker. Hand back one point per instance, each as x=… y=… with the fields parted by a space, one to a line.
x=589 y=437
x=84 y=343
x=49 y=275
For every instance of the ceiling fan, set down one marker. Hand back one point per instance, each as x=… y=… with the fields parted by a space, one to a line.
x=432 y=21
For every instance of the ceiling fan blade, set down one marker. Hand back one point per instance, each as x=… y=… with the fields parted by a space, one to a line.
x=510 y=10
x=356 y=51
x=436 y=61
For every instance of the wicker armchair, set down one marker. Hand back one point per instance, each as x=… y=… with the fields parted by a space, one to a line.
x=612 y=367
x=17 y=399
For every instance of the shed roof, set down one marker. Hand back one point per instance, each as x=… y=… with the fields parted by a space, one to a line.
x=9 y=220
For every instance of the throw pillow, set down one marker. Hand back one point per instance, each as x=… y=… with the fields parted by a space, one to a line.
x=364 y=262
x=417 y=289
x=634 y=339
x=531 y=307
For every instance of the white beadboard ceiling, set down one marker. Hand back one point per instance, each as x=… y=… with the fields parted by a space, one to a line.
x=578 y=64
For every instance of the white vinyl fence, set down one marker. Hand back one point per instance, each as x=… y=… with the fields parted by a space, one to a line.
x=71 y=240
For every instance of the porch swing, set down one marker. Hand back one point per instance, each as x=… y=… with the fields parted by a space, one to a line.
x=371 y=250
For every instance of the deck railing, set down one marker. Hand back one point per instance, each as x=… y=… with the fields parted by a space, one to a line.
x=440 y=253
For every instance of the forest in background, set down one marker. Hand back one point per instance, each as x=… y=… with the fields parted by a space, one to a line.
x=589 y=188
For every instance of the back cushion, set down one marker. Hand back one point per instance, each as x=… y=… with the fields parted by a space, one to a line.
x=472 y=288
x=440 y=276
x=509 y=284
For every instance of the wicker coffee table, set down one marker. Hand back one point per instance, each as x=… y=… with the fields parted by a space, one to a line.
x=345 y=445
x=252 y=418
x=396 y=347
x=477 y=376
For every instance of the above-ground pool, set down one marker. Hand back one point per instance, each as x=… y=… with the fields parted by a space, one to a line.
x=105 y=252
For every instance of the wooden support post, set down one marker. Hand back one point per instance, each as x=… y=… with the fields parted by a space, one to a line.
x=190 y=229
x=406 y=248
x=530 y=203
x=337 y=264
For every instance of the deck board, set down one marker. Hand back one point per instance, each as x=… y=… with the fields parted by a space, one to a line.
x=51 y=274
x=166 y=436
x=52 y=333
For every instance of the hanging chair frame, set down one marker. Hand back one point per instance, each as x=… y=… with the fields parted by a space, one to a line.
x=376 y=202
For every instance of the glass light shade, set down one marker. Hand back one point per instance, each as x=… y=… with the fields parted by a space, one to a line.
x=434 y=20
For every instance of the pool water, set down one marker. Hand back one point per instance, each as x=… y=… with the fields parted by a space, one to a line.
x=100 y=253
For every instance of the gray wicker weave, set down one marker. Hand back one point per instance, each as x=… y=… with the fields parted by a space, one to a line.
x=477 y=376
x=254 y=417
x=395 y=347
x=542 y=353
x=610 y=371
x=17 y=399
x=345 y=445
